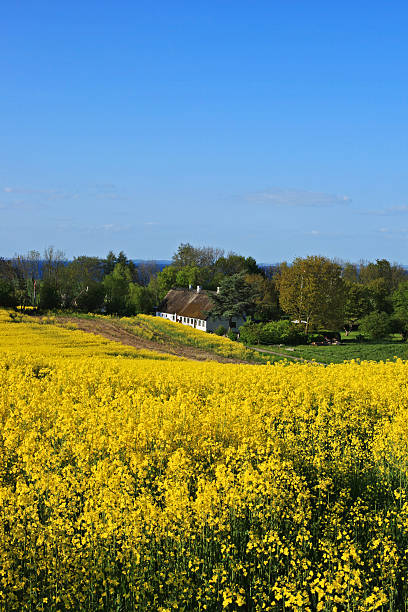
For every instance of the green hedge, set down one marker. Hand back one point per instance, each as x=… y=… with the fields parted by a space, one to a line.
x=274 y=332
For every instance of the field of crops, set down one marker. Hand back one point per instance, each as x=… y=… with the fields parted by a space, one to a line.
x=148 y=484
x=163 y=331
x=38 y=336
x=369 y=351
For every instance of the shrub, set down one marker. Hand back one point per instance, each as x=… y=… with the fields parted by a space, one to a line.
x=220 y=331
x=232 y=335
x=250 y=333
x=275 y=332
x=375 y=325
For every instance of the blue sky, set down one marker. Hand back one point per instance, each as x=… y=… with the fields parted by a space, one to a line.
x=274 y=129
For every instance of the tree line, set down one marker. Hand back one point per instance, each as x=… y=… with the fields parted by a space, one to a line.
x=315 y=292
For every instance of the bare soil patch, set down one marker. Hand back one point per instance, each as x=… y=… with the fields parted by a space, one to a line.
x=114 y=331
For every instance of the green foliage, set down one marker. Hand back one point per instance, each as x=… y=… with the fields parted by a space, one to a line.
x=267 y=301
x=356 y=349
x=380 y=295
x=49 y=298
x=400 y=303
x=91 y=298
x=312 y=290
x=116 y=285
x=166 y=279
x=322 y=335
x=220 y=331
x=140 y=300
x=274 y=332
x=201 y=257
x=375 y=325
x=390 y=274
x=7 y=294
x=189 y=275
x=236 y=298
x=358 y=303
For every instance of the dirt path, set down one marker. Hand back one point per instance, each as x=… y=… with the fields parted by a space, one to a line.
x=114 y=331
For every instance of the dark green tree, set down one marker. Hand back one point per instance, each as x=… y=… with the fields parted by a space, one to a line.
x=376 y=325
x=116 y=285
x=400 y=302
x=236 y=298
x=90 y=298
x=49 y=297
x=358 y=303
x=7 y=293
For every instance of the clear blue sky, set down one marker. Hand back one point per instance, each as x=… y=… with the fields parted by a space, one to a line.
x=271 y=128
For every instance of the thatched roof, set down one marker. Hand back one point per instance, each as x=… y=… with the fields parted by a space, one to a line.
x=187 y=303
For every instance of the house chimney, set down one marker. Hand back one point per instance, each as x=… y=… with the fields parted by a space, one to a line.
x=198 y=288
x=218 y=289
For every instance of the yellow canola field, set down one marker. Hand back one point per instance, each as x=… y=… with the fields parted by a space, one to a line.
x=157 y=328
x=140 y=484
x=40 y=336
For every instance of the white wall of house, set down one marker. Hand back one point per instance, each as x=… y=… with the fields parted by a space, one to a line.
x=190 y=321
x=209 y=325
x=166 y=315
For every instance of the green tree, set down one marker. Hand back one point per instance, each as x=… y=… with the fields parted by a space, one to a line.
x=7 y=293
x=188 y=255
x=390 y=274
x=90 y=298
x=267 y=302
x=116 y=286
x=166 y=280
x=380 y=294
x=236 y=298
x=140 y=300
x=350 y=273
x=189 y=275
x=49 y=297
x=312 y=290
x=376 y=325
x=400 y=302
x=109 y=263
x=357 y=304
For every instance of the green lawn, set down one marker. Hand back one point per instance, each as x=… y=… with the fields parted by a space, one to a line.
x=372 y=351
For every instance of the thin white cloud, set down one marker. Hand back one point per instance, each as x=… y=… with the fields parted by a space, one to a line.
x=67 y=225
x=392 y=232
x=15 y=205
x=30 y=191
x=386 y=212
x=104 y=192
x=297 y=197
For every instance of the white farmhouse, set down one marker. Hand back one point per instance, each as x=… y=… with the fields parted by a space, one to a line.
x=191 y=307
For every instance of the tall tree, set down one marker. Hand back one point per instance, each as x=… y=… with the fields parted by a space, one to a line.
x=312 y=290
x=236 y=298
x=350 y=272
x=267 y=302
x=188 y=255
x=358 y=303
x=400 y=303
x=116 y=286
